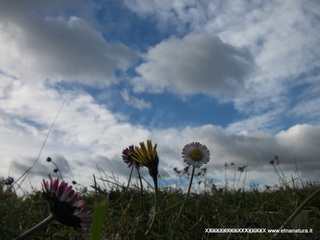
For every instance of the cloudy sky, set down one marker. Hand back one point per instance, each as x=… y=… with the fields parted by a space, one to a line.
x=241 y=77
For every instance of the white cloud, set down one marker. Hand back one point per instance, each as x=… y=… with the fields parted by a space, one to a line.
x=261 y=122
x=86 y=135
x=195 y=64
x=133 y=101
x=281 y=36
x=308 y=101
x=58 y=48
x=297 y=144
x=182 y=15
x=83 y=130
x=281 y=39
x=300 y=142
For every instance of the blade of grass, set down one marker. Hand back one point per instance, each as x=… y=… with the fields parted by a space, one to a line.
x=98 y=220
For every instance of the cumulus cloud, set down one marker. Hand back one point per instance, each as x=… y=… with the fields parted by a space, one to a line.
x=83 y=124
x=56 y=47
x=195 y=64
x=84 y=129
x=300 y=143
x=281 y=36
x=41 y=168
x=87 y=135
x=22 y=165
x=295 y=147
x=276 y=42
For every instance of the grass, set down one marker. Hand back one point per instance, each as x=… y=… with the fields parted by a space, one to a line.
x=126 y=219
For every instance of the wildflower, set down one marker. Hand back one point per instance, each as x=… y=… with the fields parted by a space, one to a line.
x=241 y=169
x=186 y=170
x=56 y=169
x=8 y=191
x=8 y=181
x=64 y=204
x=64 y=207
x=195 y=154
x=148 y=156
x=128 y=157
x=176 y=170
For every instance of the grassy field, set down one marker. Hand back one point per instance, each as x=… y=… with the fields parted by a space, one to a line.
x=126 y=214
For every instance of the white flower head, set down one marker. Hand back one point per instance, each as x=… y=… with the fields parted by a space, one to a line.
x=195 y=154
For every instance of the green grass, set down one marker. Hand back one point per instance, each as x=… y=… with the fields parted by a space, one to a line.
x=212 y=209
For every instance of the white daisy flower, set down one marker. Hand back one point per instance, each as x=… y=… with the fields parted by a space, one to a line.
x=195 y=154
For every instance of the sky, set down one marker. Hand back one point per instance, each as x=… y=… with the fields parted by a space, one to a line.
x=82 y=80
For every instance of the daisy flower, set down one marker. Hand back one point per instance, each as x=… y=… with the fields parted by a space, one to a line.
x=128 y=157
x=195 y=154
x=64 y=204
x=64 y=207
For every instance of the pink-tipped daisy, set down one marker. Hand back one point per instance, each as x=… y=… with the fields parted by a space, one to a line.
x=195 y=154
x=64 y=204
x=128 y=157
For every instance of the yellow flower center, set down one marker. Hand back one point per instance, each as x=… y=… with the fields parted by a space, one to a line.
x=196 y=154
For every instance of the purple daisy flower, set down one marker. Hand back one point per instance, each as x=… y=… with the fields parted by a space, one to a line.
x=64 y=204
x=127 y=156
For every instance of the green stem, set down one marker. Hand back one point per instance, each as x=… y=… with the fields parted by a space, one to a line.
x=141 y=188
x=37 y=227
x=124 y=192
x=274 y=167
x=188 y=193
x=155 y=180
x=58 y=170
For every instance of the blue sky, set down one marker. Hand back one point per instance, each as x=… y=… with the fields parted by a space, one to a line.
x=241 y=77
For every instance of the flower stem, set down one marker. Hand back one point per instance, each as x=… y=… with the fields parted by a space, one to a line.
x=124 y=192
x=37 y=227
x=188 y=193
x=58 y=170
x=279 y=174
x=155 y=180
x=141 y=188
